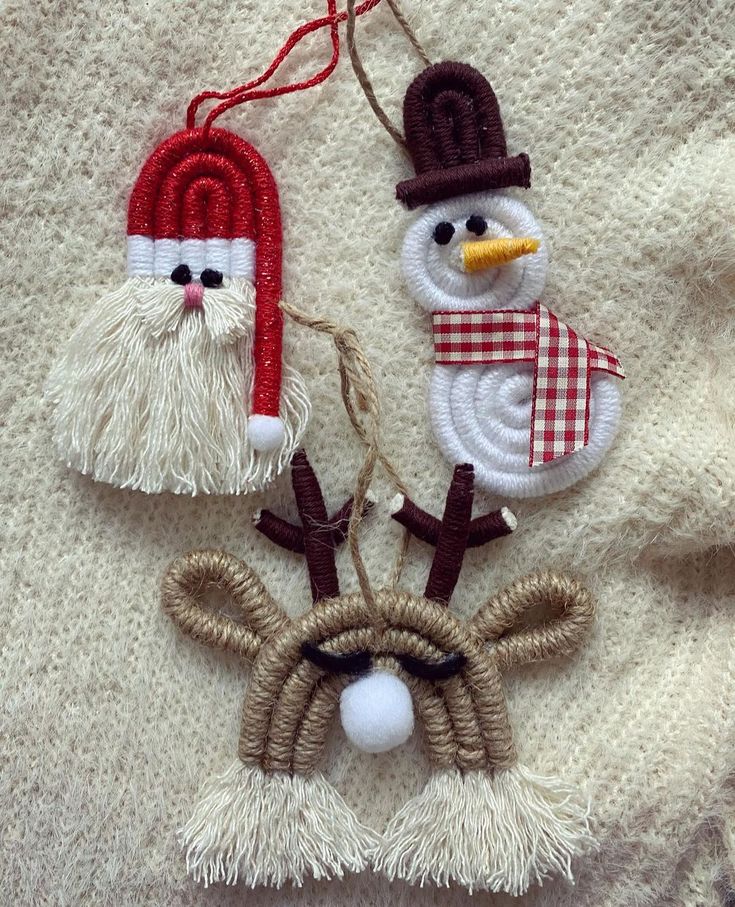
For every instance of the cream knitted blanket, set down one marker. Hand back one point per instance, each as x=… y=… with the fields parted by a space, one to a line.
x=110 y=720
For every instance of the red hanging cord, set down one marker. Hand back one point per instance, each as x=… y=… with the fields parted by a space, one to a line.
x=245 y=92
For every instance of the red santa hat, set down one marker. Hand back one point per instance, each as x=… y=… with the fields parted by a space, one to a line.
x=206 y=198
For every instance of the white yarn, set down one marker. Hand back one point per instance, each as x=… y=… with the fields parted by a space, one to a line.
x=377 y=712
x=433 y=272
x=157 y=258
x=482 y=415
x=500 y=832
x=149 y=396
x=193 y=252
x=268 y=829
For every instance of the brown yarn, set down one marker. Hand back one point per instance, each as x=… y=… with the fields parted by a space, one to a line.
x=291 y=537
x=279 y=531
x=424 y=526
x=455 y=136
x=318 y=544
x=290 y=701
x=453 y=534
x=452 y=117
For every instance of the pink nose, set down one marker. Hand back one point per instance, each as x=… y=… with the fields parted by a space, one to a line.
x=193 y=295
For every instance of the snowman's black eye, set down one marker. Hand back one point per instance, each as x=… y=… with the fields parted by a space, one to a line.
x=181 y=274
x=443 y=232
x=211 y=278
x=476 y=224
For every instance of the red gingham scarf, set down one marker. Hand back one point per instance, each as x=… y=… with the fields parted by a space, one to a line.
x=563 y=364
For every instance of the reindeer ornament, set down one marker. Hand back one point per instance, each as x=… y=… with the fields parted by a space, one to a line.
x=483 y=820
x=515 y=391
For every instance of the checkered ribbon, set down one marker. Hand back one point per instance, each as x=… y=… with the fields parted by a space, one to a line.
x=563 y=365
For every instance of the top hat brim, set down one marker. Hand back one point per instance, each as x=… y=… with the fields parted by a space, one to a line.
x=479 y=176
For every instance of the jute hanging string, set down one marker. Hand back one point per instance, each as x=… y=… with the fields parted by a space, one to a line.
x=362 y=77
x=357 y=381
x=359 y=395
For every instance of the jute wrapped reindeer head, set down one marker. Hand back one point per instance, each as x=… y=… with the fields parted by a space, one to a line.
x=273 y=817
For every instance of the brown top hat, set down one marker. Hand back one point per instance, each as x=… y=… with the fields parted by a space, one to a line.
x=455 y=137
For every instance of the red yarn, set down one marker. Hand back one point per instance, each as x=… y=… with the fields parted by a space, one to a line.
x=216 y=182
x=205 y=183
x=245 y=92
x=229 y=208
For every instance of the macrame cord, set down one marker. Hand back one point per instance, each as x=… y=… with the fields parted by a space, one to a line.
x=176 y=381
x=362 y=76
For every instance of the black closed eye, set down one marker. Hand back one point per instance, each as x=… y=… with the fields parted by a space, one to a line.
x=433 y=670
x=335 y=662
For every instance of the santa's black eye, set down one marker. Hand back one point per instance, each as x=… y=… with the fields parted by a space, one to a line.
x=181 y=274
x=443 y=232
x=211 y=278
x=476 y=224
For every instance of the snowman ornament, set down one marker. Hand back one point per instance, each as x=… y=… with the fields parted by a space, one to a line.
x=530 y=403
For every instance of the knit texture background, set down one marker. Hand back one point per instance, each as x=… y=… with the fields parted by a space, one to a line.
x=110 y=720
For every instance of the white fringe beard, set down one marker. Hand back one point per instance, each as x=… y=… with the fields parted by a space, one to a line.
x=268 y=829
x=499 y=832
x=149 y=396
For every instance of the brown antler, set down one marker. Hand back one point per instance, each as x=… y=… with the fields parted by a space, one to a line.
x=318 y=536
x=454 y=533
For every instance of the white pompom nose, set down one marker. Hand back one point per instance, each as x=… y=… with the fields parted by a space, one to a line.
x=377 y=712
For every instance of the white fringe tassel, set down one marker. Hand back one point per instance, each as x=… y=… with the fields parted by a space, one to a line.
x=500 y=832
x=149 y=396
x=266 y=829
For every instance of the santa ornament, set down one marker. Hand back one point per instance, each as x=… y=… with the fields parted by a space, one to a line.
x=175 y=381
x=530 y=403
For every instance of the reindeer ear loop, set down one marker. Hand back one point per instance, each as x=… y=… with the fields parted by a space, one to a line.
x=189 y=578
x=503 y=624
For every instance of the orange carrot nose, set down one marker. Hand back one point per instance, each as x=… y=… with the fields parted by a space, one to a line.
x=489 y=253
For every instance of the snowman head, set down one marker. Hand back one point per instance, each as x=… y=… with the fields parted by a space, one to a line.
x=475 y=252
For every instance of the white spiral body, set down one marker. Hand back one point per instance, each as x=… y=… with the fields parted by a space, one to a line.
x=481 y=414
